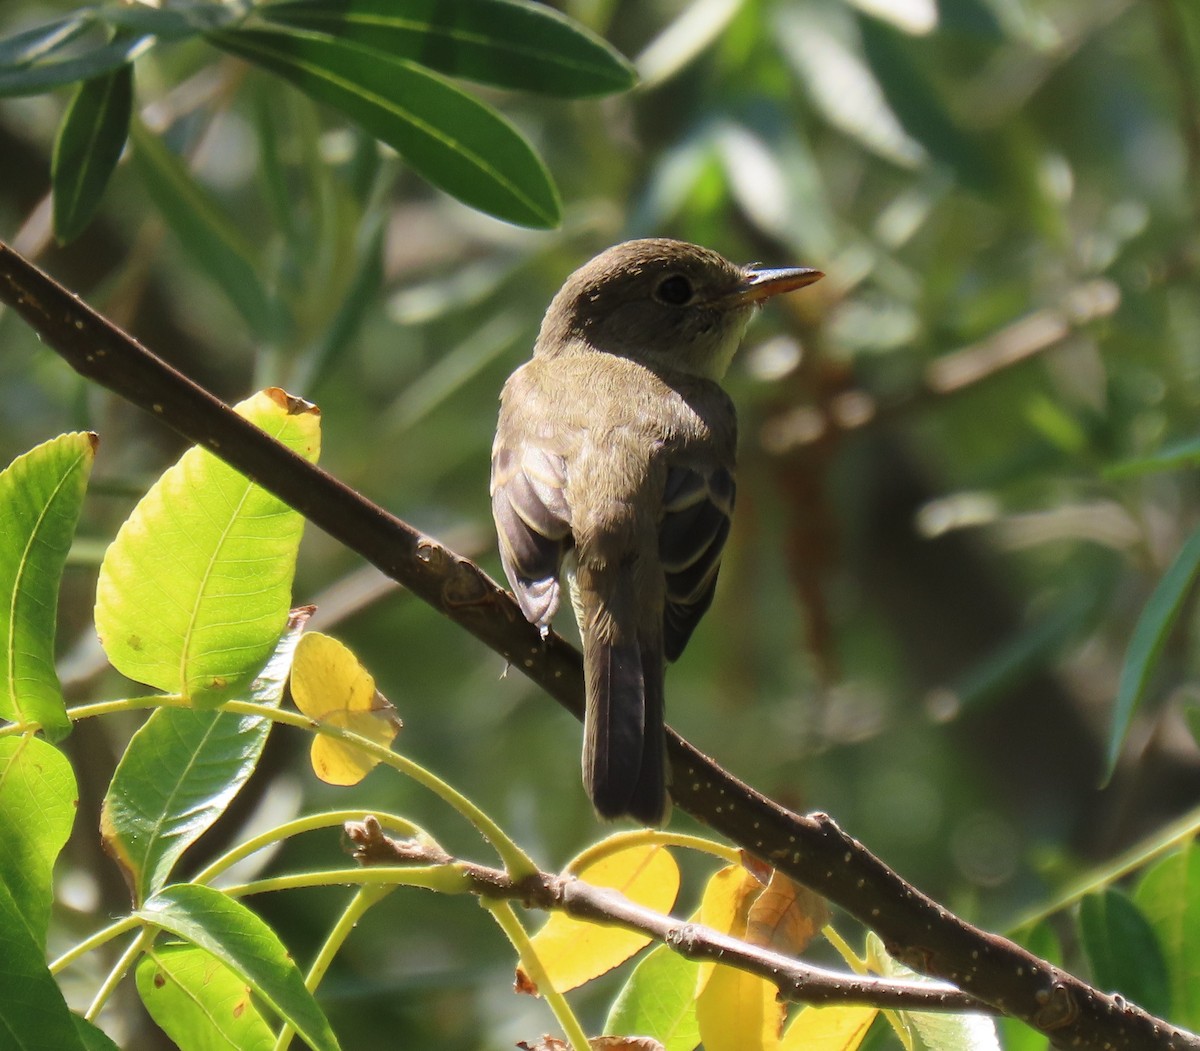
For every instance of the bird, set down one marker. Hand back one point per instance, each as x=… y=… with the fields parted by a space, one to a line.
x=614 y=463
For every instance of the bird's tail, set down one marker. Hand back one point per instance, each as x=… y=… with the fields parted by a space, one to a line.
x=624 y=746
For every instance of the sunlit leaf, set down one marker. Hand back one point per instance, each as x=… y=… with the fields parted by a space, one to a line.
x=738 y=1011
x=194 y=592
x=913 y=16
x=29 y=45
x=41 y=497
x=248 y=947
x=1123 y=950
x=38 y=799
x=939 y=1032
x=1169 y=897
x=33 y=1014
x=574 y=951
x=43 y=76
x=449 y=137
x=180 y=772
x=659 y=1001
x=508 y=43
x=843 y=87
x=330 y=686
x=205 y=232
x=89 y=144
x=199 y=1002
x=698 y=26
x=837 y=1028
x=725 y=905
x=1149 y=637
x=785 y=916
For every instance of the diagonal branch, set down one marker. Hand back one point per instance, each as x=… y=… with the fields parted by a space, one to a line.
x=811 y=849
x=797 y=982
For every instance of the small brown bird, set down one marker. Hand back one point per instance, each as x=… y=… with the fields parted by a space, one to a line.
x=616 y=444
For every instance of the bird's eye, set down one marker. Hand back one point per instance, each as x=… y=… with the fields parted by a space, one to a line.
x=674 y=290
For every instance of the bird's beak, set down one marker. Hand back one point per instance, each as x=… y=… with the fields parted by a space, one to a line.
x=762 y=284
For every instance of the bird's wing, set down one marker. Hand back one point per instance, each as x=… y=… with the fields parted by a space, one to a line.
x=697 y=507
x=533 y=523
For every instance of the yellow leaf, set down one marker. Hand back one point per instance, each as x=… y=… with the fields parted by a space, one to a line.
x=737 y=1011
x=330 y=686
x=725 y=906
x=576 y=951
x=838 y=1028
x=785 y=916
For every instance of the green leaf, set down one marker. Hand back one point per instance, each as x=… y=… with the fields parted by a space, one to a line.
x=205 y=232
x=94 y=1039
x=248 y=947
x=507 y=43
x=966 y=1031
x=1173 y=457
x=1169 y=897
x=1123 y=950
x=659 y=1001
x=29 y=45
x=199 y=1002
x=89 y=144
x=38 y=798
x=449 y=137
x=178 y=22
x=33 y=1014
x=193 y=593
x=180 y=772
x=42 y=76
x=1149 y=637
x=41 y=495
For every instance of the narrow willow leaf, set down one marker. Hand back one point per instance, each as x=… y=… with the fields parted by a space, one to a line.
x=1149 y=637
x=1173 y=457
x=199 y=1002
x=248 y=947
x=38 y=798
x=41 y=495
x=204 y=231
x=33 y=1014
x=449 y=137
x=1123 y=950
x=89 y=144
x=177 y=22
x=508 y=43
x=181 y=771
x=1169 y=897
x=659 y=1001
x=193 y=593
x=29 y=45
x=43 y=76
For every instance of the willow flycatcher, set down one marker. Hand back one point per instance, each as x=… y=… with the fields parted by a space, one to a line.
x=616 y=445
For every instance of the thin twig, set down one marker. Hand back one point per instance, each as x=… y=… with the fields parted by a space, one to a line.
x=811 y=850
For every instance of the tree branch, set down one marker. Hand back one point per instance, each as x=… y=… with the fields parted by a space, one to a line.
x=797 y=982
x=810 y=849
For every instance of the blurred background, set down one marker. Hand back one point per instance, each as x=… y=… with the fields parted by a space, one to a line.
x=934 y=571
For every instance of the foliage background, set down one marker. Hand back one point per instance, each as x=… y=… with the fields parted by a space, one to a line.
x=928 y=593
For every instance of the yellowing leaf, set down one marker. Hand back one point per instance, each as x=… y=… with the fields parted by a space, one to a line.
x=576 y=951
x=330 y=686
x=838 y=1028
x=725 y=906
x=739 y=1012
x=785 y=916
